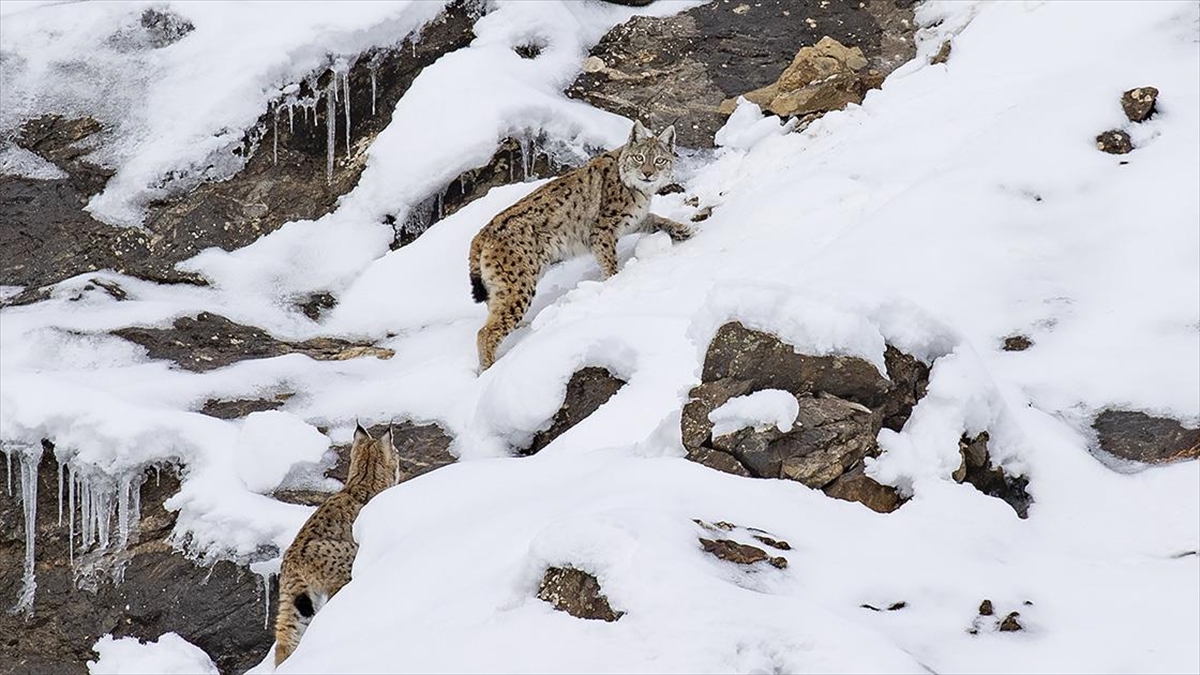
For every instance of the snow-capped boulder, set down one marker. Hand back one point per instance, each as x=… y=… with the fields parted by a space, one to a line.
x=588 y=389
x=577 y=593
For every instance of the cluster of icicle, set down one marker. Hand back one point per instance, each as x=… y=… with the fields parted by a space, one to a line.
x=337 y=91
x=102 y=514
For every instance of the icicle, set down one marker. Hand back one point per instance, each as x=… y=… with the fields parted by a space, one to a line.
x=291 y=117
x=275 y=137
x=346 y=106
x=372 y=91
x=526 y=155
x=265 y=569
x=123 y=512
x=30 y=457
x=330 y=127
x=85 y=514
x=157 y=475
x=71 y=514
x=60 y=492
x=8 y=457
x=441 y=213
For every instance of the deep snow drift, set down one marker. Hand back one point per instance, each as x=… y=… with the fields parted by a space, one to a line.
x=959 y=204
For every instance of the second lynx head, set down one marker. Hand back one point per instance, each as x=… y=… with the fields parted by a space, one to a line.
x=646 y=161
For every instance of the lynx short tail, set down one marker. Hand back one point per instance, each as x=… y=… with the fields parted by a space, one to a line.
x=478 y=290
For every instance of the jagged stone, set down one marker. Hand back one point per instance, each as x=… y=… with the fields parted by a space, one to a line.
x=716 y=459
x=236 y=408
x=1010 y=623
x=587 y=390
x=977 y=470
x=1017 y=343
x=1114 y=142
x=681 y=67
x=209 y=341
x=856 y=486
x=910 y=378
x=831 y=436
x=1140 y=437
x=696 y=429
x=943 y=53
x=577 y=593
x=1139 y=103
x=822 y=77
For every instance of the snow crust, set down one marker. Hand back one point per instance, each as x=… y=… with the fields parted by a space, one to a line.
x=168 y=655
x=960 y=204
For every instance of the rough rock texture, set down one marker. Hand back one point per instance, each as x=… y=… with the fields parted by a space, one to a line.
x=1114 y=142
x=577 y=593
x=229 y=409
x=943 y=53
x=682 y=67
x=1017 y=343
x=977 y=470
x=209 y=341
x=1139 y=437
x=45 y=237
x=826 y=76
x=219 y=608
x=742 y=554
x=588 y=389
x=843 y=403
x=1138 y=104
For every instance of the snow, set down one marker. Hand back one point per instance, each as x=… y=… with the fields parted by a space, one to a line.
x=760 y=411
x=168 y=655
x=962 y=203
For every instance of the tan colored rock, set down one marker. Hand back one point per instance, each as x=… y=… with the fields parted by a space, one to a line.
x=826 y=76
x=856 y=486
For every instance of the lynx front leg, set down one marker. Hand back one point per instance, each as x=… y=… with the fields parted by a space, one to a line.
x=677 y=231
x=604 y=247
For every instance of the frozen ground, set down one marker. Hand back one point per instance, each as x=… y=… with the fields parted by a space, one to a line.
x=960 y=204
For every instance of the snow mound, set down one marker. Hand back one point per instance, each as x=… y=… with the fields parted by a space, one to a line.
x=168 y=655
x=760 y=411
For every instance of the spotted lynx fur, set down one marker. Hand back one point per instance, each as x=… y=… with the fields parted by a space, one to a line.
x=586 y=210
x=318 y=562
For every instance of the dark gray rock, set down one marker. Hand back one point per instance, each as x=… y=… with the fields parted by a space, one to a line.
x=696 y=429
x=236 y=408
x=716 y=459
x=577 y=593
x=164 y=27
x=588 y=389
x=682 y=67
x=1139 y=103
x=1142 y=438
x=209 y=341
x=910 y=378
x=1114 y=142
x=977 y=470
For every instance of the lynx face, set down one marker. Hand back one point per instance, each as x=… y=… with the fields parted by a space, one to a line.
x=646 y=161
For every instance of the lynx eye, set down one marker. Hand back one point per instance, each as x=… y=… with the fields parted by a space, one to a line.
x=639 y=158
x=661 y=161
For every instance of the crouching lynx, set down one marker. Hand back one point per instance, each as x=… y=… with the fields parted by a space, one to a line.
x=318 y=562
x=585 y=210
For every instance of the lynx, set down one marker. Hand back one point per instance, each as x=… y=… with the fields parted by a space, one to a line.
x=585 y=210
x=318 y=562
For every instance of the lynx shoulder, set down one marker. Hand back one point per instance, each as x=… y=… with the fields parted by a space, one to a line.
x=318 y=562
x=584 y=211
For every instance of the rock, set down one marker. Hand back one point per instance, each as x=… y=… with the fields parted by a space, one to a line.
x=682 y=67
x=219 y=608
x=696 y=429
x=588 y=389
x=1114 y=142
x=1017 y=343
x=316 y=304
x=985 y=608
x=721 y=461
x=234 y=409
x=1140 y=437
x=58 y=140
x=943 y=53
x=577 y=593
x=826 y=76
x=773 y=543
x=702 y=214
x=832 y=435
x=422 y=448
x=209 y=341
x=1010 y=623
x=742 y=554
x=909 y=377
x=45 y=237
x=744 y=354
x=1138 y=104
x=856 y=486
x=753 y=450
x=977 y=470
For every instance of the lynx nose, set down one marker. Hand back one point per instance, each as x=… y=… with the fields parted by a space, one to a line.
x=647 y=172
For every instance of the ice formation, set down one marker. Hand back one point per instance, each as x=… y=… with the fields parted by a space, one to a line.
x=28 y=457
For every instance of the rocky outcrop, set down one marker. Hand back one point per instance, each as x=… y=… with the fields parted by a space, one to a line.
x=588 y=389
x=209 y=341
x=46 y=237
x=577 y=593
x=1139 y=437
x=681 y=67
x=826 y=76
x=843 y=402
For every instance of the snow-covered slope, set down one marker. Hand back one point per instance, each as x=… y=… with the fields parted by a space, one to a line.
x=961 y=203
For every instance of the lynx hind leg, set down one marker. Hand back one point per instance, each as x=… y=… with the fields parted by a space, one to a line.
x=507 y=304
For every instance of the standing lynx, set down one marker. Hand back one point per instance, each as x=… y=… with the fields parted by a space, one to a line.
x=318 y=562
x=585 y=210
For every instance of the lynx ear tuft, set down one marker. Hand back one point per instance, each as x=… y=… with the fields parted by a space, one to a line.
x=668 y=137
x=360 y=434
